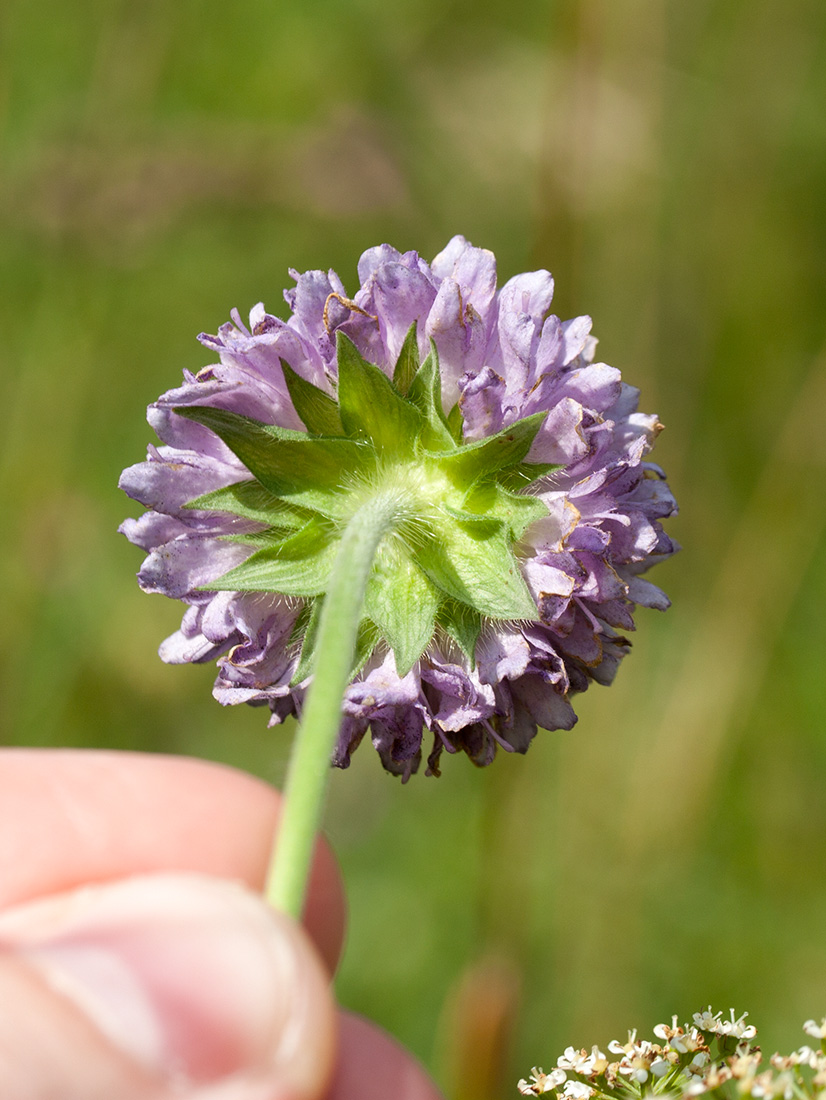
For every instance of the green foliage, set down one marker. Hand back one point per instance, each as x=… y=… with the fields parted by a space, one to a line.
x=488 y=498
x=250 y=500
x=473 y=563
x=426 y=394
x=494 y=453
x=305 y=633
x=402 y=602
x=372 y=407
x=298 y=565
x=306 y=470
x=318 y=411
x=462 y=623
x=408 y=362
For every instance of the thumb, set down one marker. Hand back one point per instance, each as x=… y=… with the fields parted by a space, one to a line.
x=161 y=985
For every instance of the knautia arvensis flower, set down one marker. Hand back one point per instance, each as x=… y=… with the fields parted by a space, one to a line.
x=525 y=510
x=711 y=1055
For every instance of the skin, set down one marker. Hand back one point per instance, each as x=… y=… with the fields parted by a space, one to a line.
x=129 y=880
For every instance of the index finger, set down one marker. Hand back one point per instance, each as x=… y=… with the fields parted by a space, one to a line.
x=69 y=817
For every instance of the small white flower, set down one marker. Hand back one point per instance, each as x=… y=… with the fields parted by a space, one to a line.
x=807 y=1057
x=663 y=1031
x=698 y=1062
x=744 y=1064
x=693 y=1041
x=599 y=1062
x=638 y=1061
x=707 y=1020
x=803 y=1057
x=574 y=1060
x=736 y=1028
x=686 y=1042
x=579 y=1061
x=817 y=1031
x=540 y=1082
x=660 y=1067
x=616 y=1047
x=814 y=1059
x=717 y=1076
x=577 y=1090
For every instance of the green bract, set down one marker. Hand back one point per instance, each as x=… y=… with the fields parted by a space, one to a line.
x=448 y=562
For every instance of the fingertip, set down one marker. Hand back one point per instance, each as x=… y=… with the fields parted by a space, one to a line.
x=163 y=983
x=373 y=1066
x=86 y=816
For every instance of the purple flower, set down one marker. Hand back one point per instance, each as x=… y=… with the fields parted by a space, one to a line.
x=534 y=509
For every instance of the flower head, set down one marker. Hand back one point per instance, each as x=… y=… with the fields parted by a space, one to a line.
x=685 y=1067
x=526 y=507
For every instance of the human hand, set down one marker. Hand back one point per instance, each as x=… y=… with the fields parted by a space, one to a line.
x=137 y=958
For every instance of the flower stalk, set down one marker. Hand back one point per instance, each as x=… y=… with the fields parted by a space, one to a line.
x=309 y=769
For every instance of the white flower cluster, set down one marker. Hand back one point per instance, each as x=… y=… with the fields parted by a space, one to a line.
x=710 y=1055
x=541 y=1082
x=714 y=1024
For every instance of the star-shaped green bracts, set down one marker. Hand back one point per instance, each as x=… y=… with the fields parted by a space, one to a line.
x=449 y=560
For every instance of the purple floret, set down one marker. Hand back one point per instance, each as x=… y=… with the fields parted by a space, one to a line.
x=502 y=358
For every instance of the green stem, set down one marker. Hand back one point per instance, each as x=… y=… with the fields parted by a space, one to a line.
x=310 y=762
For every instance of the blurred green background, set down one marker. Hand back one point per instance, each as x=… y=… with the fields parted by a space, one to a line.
x=162 y=163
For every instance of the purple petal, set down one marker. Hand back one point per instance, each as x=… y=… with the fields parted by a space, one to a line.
x=481 y=401
x=400 y=297
x=644 y=592
x=549 y=710
x=349 y=738
x=560 y=439
x=460 y=335
x=309 y=301
x=575 y=338
x=374 y=258
x=382 y=687
x=153 y=529
x=178 y=649
x=502 y=654
x=178 y=567
x=530 y=294
x=546 y=580
x=550 y=532
x=523 y=303
x=397 y=735
x=462 y=697
x=170 y=479
x=473 y=269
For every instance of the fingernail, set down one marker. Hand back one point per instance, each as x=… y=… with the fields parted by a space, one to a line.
x=193 y=978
